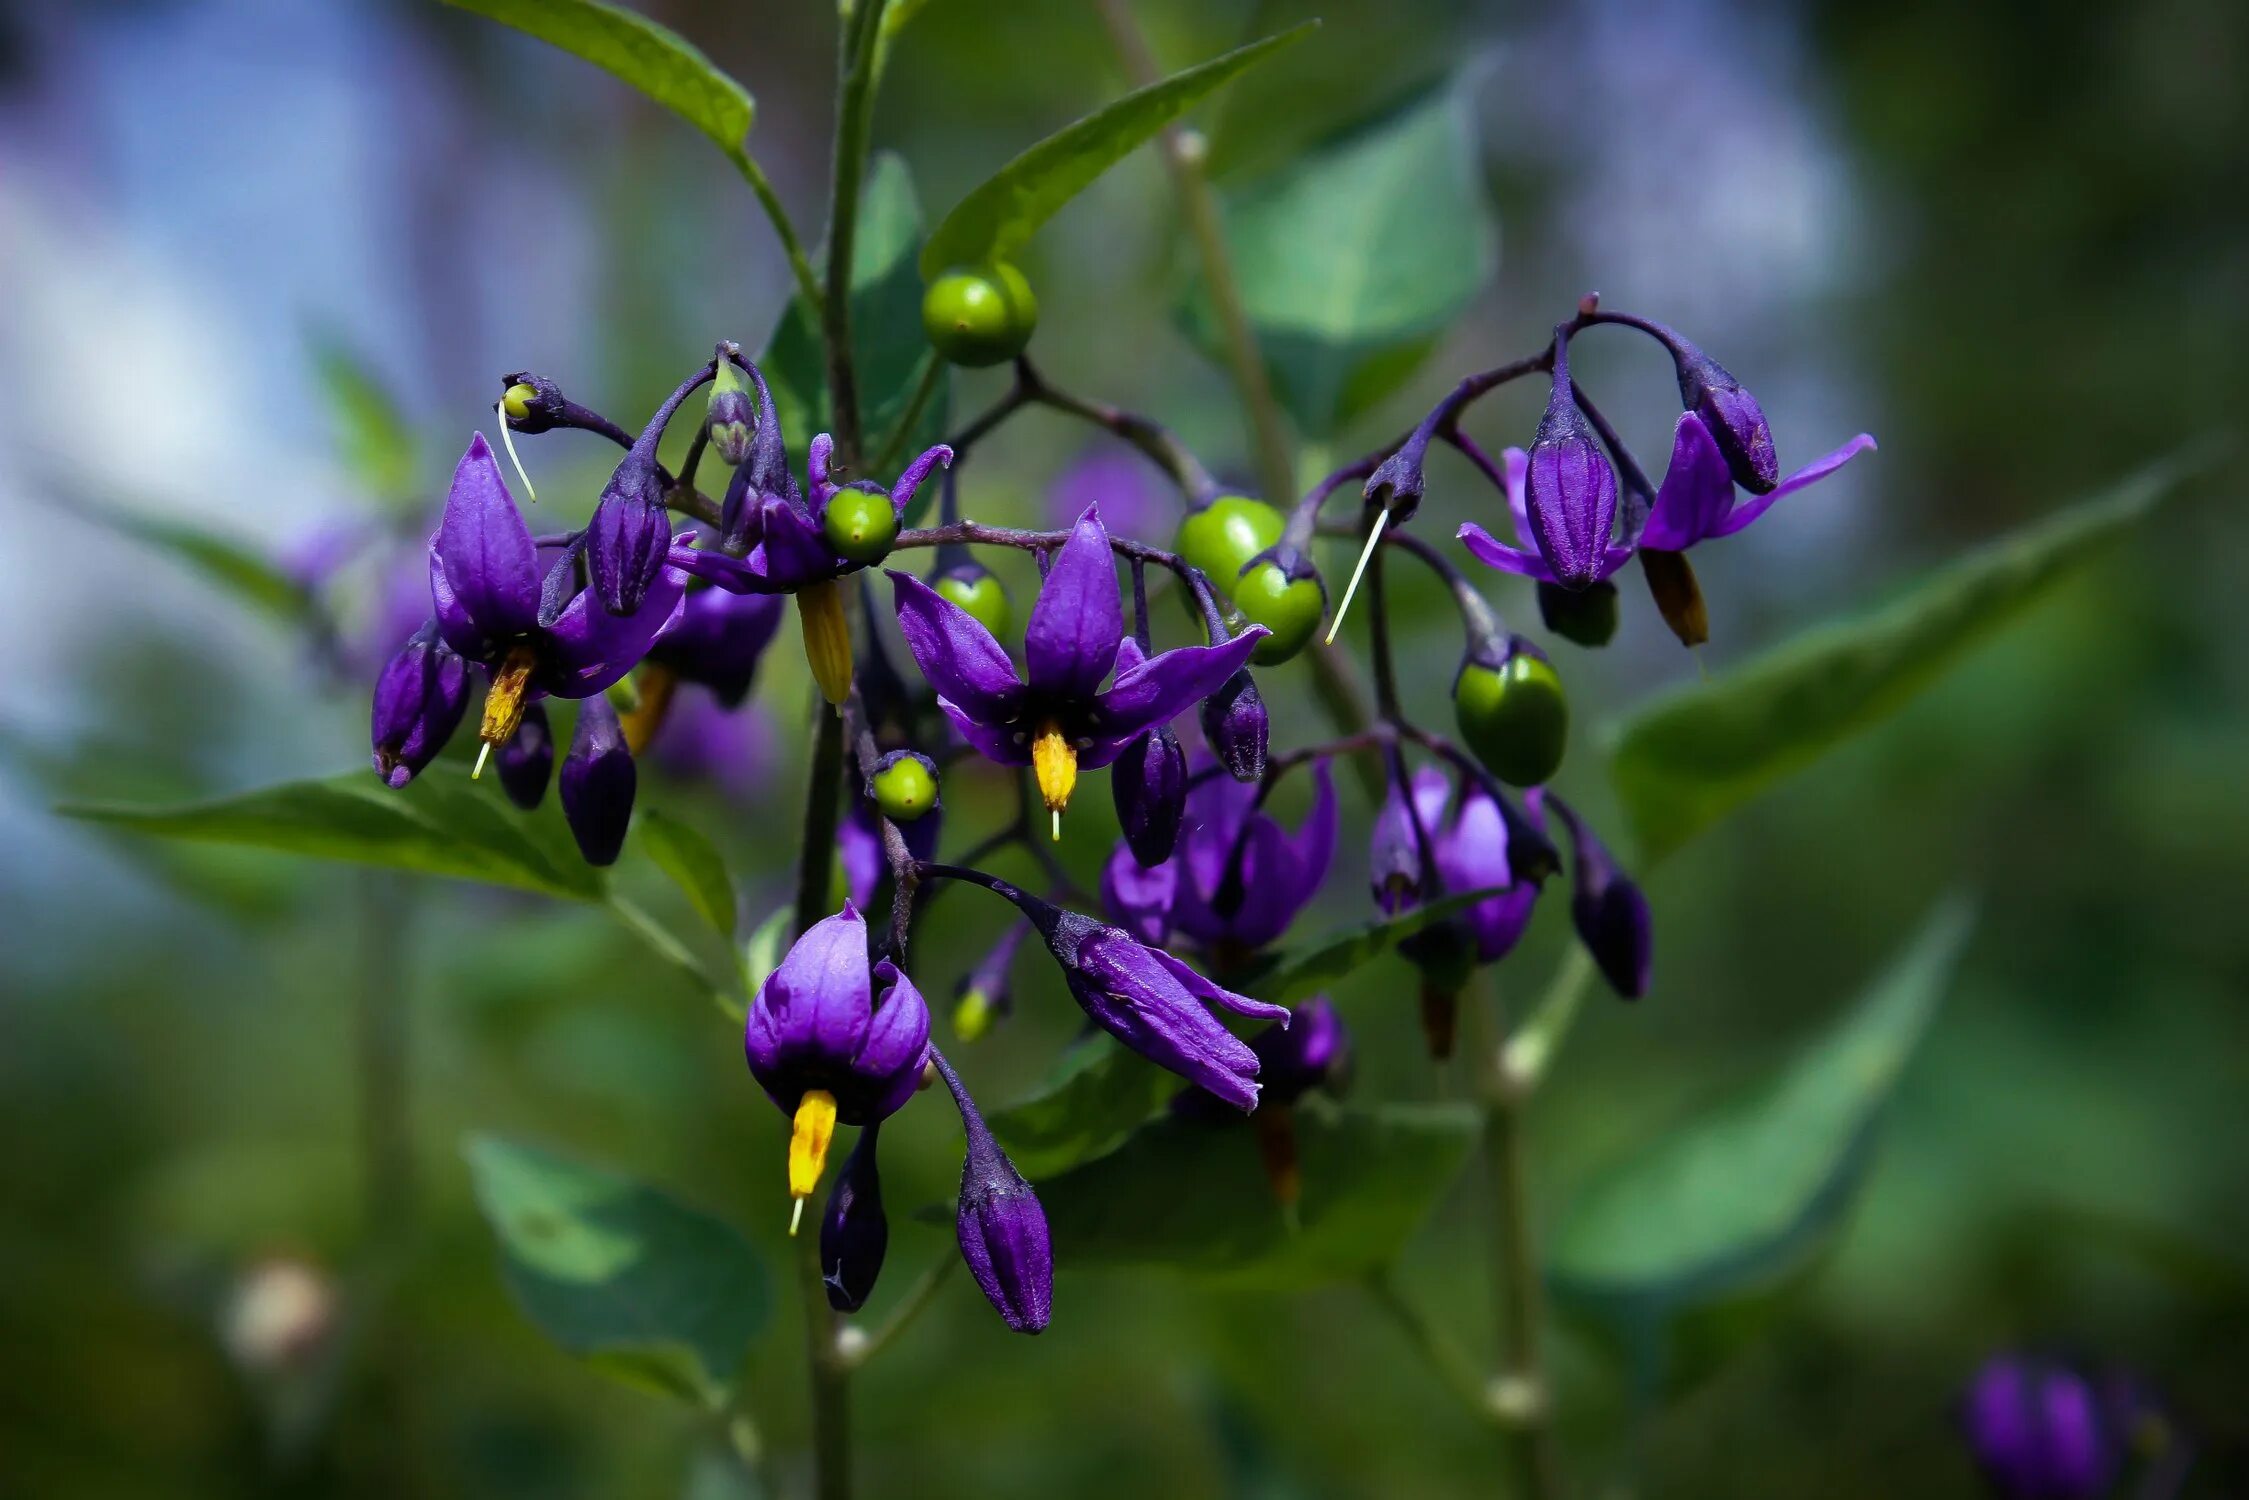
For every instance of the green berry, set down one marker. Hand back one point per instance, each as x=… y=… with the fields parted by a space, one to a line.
x=905 y=789
x=983 y=596
x=980 y=316
x=1587 y=617
x=1222 y=537
x=860 y=525
x=1516 y=718
x=1291 y=610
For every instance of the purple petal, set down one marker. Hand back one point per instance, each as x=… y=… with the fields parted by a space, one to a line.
x=897 y=1041
x=1213 y=993
x=591 y=649
x=485 y=551
x=1490 y=550
x=1696 y=493
x=1518 y=466
x=1077 y=621
x=955 y=652
x=1001 y=746
x=1812 y=473
x=902 y=493
x=1123 y=987
x=1138 y=897
x=1312 y=848
x=1166 y=685
x=792 y=551
x=818 y=994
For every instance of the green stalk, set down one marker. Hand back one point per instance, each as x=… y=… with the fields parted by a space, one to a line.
x=784 y=229
x=855 y=108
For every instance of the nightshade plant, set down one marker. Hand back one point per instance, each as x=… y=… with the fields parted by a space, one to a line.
x=675 y=582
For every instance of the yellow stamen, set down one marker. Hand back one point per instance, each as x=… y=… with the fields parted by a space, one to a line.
x=1054 y=761
x=507 y=698
x=641 y=722
x=827 y=638
x=1381 y=517
x=808 y=1146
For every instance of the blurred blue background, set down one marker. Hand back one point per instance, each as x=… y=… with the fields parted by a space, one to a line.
x=2008 y=238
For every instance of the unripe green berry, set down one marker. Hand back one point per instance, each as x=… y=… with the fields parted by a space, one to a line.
x=1515 y=717
x=1223 y=536
x=1587 y=617
x=860 y=525
x=983 y=596
x=1266 y=596
x=905 y=789
x=980 y=315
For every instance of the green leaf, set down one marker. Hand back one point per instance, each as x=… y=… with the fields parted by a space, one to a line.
x=1685 y=761
x=1738 y=1201
x=234 y=565
x=761 y=955
x=658 y=1294
x=1097 y=1096
x=886 y=331
x=1355 y=259
x=441 y=824
x=681 y=851
x=999 y=217
x=372 y=437
x=635 y=50
x=1192 y=1195
x=1298 y=977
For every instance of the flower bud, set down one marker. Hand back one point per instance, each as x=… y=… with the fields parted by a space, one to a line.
x=1149 y=783
x=1002 y=1229
x=527 y=760
x=731 y=414
x=629 y=537
x=1511 y=709
x=598 y=779
x=419 y=701
x=1570 y=488
x=1733 y=416
x=904 y=785
x=2039 y=1431
x=1237 y=726
x=532 y=403
x=1607 y=908
x=984 y=995
x=854 y=1232
x=1588 y=618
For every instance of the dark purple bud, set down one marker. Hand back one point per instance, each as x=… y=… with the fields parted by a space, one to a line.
x=1570 y=489
x=1149 y=783
x=1237 y=726
x=854 y=1232
x=1397 y=484
x=533 y=404
x=1733 y=416
x=629 y=537
x=1002 y=1229
x=1608 y=909
x=419 y=700
x=527 y=760
x=597 y=782
x=2039 y=1431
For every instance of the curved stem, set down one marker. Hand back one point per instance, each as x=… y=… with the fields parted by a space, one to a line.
x=918 y=1296
x=855 y=99
x=784 y=228
x=894 y=446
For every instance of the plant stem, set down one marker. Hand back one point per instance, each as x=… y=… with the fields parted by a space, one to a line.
x=933 y=371
x=855 y=100
x=381 y=1046
x=829 y=1377
x=918 y=1296
x=1183 y=155
x=1521 y=1400
x=784 y=229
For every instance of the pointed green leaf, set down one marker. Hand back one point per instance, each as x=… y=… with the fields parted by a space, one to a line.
x=681 y=851
x=1192 y=1195
x=886 y=332
x=371 y=434
x=999 y=217
x=1357 y=257
x=651 y=1291
x=1685 y=761
x=1097 y=1096
x=234 y=564
x=1738 y=1200
x=441 y=824
x=1300 y=976
x=635 y=50
x=761 y=955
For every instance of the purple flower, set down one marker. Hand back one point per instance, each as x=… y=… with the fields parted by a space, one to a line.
x=419 y=700
x=2038 y=1431
x=1061 y=720
x=1572 y=486
x=629 y=538
x=1150 y=786
x=717 y=639
x=1241 y=879
x=984 y=996
x=1237 y=726
x=854 y=1231
x=1609 y=911
x=732 y=748
x=1001 y=1228
x=1522 y=559
x=1727 y=411
x=789 y=550
x=598 y=781
x=1311 y=1050
x=526 y=762
x=1696 y=500
x=1472 y=856
x=492 y=608
x=1123 y=485
x=1403 y=836
x=1139 y=897
x=827 y=1045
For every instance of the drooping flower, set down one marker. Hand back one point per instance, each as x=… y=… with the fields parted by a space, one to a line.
x=717 y=640
x=1312 y=1051
x=832 y=1040
x=1472 y=855
x=491 y=606
x=1403 y=840
x=1528 y=559
x=2038 y=1431
x=419 y=700
x=1061 y=720
x=1696 y=500
x=1240 y=878
x=598 y=783
x=1000 y=1225
x=1608 y=908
